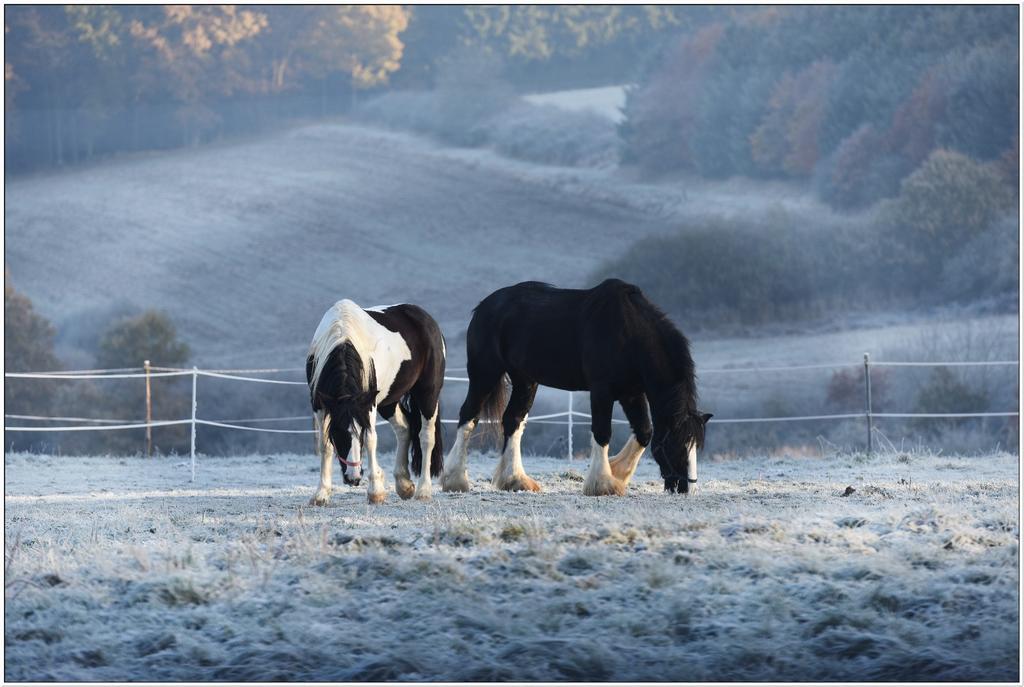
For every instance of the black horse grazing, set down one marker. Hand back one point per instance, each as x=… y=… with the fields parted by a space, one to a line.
x=388 y=358
x=609 y=340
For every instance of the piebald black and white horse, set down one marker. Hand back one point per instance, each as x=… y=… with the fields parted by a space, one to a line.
x=386 y=359
x=609 y=340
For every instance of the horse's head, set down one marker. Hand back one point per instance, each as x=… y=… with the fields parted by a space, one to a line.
x=349 y=414
x=336 y=381
x=674 y=445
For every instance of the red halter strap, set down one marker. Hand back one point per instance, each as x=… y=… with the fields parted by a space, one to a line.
x=349 y=463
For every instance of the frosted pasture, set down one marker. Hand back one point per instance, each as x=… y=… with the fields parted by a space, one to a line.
x=120 y=569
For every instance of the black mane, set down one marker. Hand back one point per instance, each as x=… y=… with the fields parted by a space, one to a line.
x=340 y=387
x=675 y=365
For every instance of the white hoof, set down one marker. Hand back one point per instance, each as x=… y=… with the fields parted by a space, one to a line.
x=404 y=487
x=519 y=482
x=424 y=493
x=604 y=485
x=321 y=497
x=458 y=481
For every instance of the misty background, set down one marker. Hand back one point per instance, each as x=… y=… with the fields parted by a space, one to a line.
x=793 y=185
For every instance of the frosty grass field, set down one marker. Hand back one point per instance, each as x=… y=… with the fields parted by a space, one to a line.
x=120 y=569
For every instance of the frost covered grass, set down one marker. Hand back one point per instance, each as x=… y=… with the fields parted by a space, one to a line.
x=120 y=569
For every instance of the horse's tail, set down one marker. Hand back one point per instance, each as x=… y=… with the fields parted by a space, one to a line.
x=493 y=407
x=415 y=419
x=437 y=455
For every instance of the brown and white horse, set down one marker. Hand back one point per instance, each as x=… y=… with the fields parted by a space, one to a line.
x=361 y=362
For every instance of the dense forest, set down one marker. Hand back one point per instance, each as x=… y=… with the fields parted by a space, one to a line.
x=86 y=81
x=849 y=99
x=852 y=99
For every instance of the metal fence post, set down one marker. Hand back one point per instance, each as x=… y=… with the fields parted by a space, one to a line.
x=867 y=398
x=569 y=434
x=149 y=414
x=195 y=377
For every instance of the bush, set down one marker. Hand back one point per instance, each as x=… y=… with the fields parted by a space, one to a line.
x=127 y=343
x=985 y=267
x=28 y=347
x=550 y=135
x=409 y=110
x=944 y=393
x=845 y=391
x=747 y=274
x=149 y=336
x=948 y=201
x=28 y=337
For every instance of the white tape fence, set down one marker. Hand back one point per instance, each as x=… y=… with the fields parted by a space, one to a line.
x=561 y=418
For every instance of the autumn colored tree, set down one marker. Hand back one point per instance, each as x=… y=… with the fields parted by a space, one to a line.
x=860 y=170
x=194 y=51
x=787 y=139
x=856 y=97
x=307 y=43
x=662 y=115
x=540 y=32
x=915 y=123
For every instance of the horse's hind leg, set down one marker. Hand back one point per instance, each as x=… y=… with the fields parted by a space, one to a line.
x=400 y=424
x=509 y=474
x=624 y=464
x=428 y=431
x=600 y=481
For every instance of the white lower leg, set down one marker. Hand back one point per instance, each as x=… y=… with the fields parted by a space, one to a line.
x=321 y=422
x=509 y=474
x=625 y=462
x=376 y=486
x=600 y=481
x=455 y=476
x=691 y=470
x=403 y=485
x=424 y=490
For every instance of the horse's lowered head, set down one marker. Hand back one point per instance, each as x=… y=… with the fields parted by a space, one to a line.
x=339 y=391
x=349 y=414
x=678 y=435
